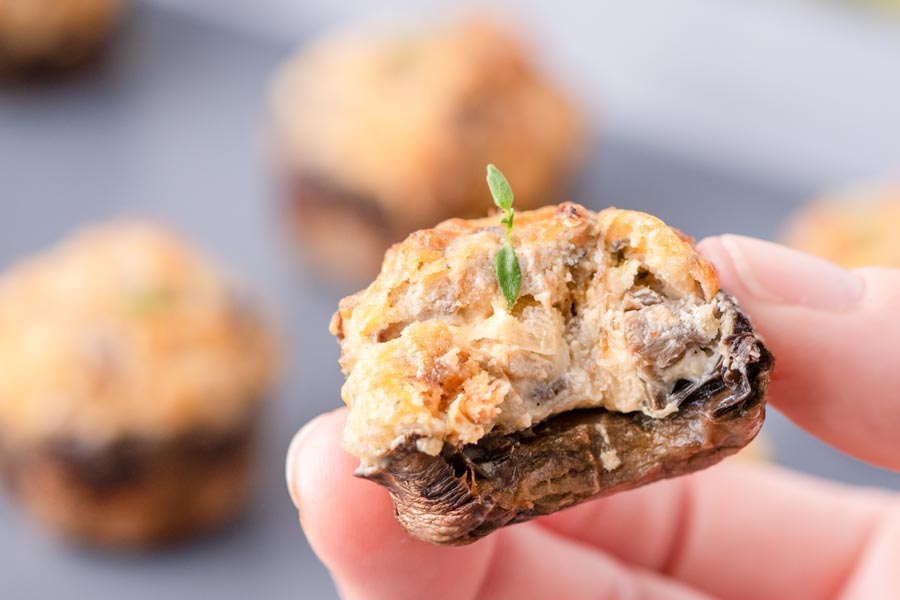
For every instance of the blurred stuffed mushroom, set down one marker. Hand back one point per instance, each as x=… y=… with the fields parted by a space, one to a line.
x=856 y=228
x=382 y=133
x=53 y=34
x=131 y=378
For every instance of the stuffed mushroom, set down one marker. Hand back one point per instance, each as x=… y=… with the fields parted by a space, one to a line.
x=619 y=362
x=132 y=375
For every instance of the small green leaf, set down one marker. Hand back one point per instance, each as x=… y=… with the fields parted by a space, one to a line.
x=500 y=190
x=506 y=263
x=509 y=275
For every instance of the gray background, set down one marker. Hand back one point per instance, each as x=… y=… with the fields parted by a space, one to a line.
x=794 y=90
x=172 y=125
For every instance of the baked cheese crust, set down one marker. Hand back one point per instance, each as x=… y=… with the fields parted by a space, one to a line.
x=616 y=310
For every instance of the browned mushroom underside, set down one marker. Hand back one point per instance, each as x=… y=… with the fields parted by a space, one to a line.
x=467 y=492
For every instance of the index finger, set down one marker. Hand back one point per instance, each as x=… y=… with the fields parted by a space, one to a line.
x=834 y=335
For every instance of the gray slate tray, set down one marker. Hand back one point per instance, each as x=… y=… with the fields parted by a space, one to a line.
x=171 y=126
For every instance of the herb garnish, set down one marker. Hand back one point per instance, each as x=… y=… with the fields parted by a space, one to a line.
x=506 y=264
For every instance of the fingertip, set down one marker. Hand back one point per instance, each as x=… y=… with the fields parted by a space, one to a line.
x=294 y=462
x=708 y=242
x=767 y=273
x=833 y=335
x=713 y=250
x=343 y=517
x=321 y=480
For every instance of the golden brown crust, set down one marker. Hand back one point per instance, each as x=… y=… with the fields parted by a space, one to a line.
x=855 y=229
x=666 y=249
x=431 y=350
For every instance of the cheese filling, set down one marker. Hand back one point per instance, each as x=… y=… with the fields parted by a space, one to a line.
x=594 y=327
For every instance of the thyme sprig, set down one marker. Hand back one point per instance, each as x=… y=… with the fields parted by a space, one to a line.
x=506 y=263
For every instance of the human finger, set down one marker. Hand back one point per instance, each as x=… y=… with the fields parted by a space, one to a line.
x=834 y=335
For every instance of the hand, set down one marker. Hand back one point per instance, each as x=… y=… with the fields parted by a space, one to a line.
x=733 y=531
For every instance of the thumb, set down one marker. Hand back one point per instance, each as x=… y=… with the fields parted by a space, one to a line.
x=834 y=334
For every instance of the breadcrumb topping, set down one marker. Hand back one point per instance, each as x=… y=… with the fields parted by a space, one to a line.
x=616 y=310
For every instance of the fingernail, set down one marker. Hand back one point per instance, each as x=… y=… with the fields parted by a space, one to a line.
x=774 y=273
x=291 y=465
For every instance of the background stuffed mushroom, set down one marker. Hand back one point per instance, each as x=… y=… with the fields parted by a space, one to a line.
x=131 y=380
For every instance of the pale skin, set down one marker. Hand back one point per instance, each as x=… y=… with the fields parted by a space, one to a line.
x=736 y=530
